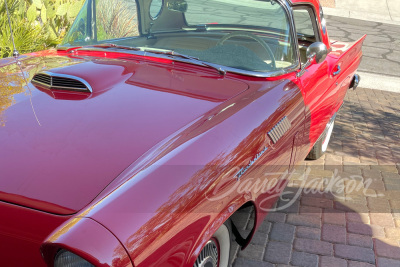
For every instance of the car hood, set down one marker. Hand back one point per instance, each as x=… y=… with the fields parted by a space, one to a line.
x=59 y=150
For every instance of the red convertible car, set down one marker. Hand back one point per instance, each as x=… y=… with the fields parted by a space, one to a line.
x=137 y=141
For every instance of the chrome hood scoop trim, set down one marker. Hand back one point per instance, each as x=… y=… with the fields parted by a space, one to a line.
x=57 y=81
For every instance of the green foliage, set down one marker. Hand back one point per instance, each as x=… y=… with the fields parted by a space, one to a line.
x=37 y=24
x=116 y=19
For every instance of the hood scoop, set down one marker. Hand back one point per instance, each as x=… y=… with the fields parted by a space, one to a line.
x=58 y=81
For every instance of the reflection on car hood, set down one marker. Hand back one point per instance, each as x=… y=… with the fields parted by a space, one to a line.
x=60 y=150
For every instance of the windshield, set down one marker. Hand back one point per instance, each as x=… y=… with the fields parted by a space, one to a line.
x=248 y=35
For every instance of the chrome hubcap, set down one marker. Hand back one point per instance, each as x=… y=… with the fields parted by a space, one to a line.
x=209 y=256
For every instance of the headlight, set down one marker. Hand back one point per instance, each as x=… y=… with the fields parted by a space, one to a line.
x=65 y=258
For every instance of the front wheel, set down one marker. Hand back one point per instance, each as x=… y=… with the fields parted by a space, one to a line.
x=216 y=251
x=321 y=145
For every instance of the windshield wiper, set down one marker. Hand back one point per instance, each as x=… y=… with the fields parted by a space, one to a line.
x=194 y=60
x=172 y=53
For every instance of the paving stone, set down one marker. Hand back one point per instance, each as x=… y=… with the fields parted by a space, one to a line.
x=252 y=252
x=359 y=228
x=391 y=181
x=354 y=253
x=241 y=262
x=334 y=233
x=313 y=246
x=359 y=240
x=396 y=215
x=378 y=205
x=391 y=175
x=376 y=185
x=359 y=264
x=382 y=219
x=377 y=231
x=317 y=202
x=259 y=239
x=304 y=220
x=332 y=216
x=385 y=168
x=265 y=227
x=385 y=262
x=393 y=233
x=374 y=174
x=282 y=232
x=387 y=249
x=316 y=172
x=395 y=203
x=304 y=259
x=357 y=217
x=308 y=232
x=311 y=211
x=293 y=208
x=276 y=217
x=328 y=261
x=278 y=252
x=356 y=170
x=351 y=206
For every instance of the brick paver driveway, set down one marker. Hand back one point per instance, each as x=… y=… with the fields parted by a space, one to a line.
x=353 y=218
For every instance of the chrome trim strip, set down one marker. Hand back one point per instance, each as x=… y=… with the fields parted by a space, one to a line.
x=315 y=22
x=64 y=87
x=329 y=123
x=42 y=84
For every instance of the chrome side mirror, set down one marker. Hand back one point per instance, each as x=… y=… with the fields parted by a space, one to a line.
x=316 y=53
x=317 y=50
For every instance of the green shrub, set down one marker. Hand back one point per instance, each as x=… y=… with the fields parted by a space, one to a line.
x=37 y=24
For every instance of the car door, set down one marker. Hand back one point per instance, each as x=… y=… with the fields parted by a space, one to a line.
x=345 y=59
x=317 y=83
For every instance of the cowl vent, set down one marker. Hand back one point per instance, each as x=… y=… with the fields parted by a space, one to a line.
x=61 y=82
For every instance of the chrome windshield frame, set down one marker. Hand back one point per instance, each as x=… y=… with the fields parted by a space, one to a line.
x=294 y=67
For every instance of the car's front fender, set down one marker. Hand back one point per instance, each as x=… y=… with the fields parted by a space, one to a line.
x=87 y=239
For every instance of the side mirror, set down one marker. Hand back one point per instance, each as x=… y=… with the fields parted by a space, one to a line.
x=317 y=50
x=316 y=53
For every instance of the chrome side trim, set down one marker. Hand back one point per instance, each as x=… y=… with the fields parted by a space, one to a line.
x=280 y=129
x=332 y=120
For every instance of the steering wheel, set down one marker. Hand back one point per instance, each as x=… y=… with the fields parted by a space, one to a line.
x=251 y=36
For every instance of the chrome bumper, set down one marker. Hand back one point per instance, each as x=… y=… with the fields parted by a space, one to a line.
x=354 y=83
